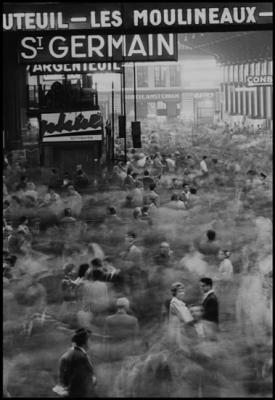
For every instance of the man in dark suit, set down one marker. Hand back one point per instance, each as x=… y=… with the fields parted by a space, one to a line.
x=122 y=331
x=76 y=372
x=210 y=302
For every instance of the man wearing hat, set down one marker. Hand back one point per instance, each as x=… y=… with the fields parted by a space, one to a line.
x=76 y=372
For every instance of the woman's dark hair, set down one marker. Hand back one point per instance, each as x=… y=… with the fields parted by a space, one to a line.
x=193 y=190
x=97 y=274
x=96 y=262
x=132 y=234
x=174 y=197
x=152 y=186
x=129 y=171
x=134 y=175
x=23 y=219
x=207 y=281
x=112 y=210
x=146 y=173
x=67 y=212
x=83 y=268
x=81 y=336
x=211 y=235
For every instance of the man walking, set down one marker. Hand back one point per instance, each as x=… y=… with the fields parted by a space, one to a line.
x=76 y=372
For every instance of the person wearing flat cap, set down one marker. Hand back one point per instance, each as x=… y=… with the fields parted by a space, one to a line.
x=76 y=373
x=121 y=331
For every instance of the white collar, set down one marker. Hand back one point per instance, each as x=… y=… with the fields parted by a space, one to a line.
x=208 y=293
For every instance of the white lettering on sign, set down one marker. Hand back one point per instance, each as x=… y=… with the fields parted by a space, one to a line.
x=197 y=16
x=97 y=48
x=64 y=49
x=154 y=96
x=131 y=16
x=42 y=69
x=259 y=80
x=79 y=138
x=70 y=123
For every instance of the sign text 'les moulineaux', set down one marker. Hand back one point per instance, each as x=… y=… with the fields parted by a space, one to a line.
x=130 y=18
x=97 y=48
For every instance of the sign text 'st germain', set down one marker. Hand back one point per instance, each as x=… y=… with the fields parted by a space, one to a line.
x=97 y=48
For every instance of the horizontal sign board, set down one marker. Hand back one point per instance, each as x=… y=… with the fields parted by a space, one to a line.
x=56 y=126
x=81 y=68
x=72 y=138
x=97 y=48
x=154 y=96
x=259 y=80
x=127 y=18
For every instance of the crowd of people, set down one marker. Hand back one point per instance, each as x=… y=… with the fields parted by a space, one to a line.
x=153 y=308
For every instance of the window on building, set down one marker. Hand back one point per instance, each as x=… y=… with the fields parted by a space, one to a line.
x=174 y=72
x=129 y=80
x=160 y=76
x=142 y=76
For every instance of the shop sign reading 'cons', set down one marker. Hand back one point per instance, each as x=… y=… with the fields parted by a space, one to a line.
x=259 y=80
x=97 y=48
x=126 y=18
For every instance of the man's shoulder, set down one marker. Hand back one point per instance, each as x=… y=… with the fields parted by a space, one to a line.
x=211 y=297
x=121 y=318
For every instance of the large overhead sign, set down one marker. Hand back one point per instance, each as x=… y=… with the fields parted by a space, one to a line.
x=259 y=80
x=83 y=68
x=97 y=48
x=71 y=126
x=127 y=18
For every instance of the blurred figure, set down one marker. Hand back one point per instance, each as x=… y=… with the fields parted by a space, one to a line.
x=176 y=203
x=51 y=197
x=165 y=255
x=112 y=215
x=152 y=196
x=31 y=191
x=203 y=166
x=122 y=331
x=210 y=245
x=133 y=253
x=194 y=262
x=80 y=178
x=24 y=228
x=137 y=195
x=76 y=373
x=66 y=181
x=73 y=200
x=179 y=316
x=95 y=292
x=54 y=180
x=210 y=302
x=68 y=222
x=147 y=180
x=185 y=195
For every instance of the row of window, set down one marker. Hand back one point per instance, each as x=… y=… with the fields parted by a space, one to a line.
x=164 y=76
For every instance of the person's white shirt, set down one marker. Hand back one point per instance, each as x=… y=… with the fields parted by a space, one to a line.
x=203 y=166
x=179 y=310
x=225 y=271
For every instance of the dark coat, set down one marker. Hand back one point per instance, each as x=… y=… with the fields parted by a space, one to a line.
x=76 y=373
x=211 y=308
